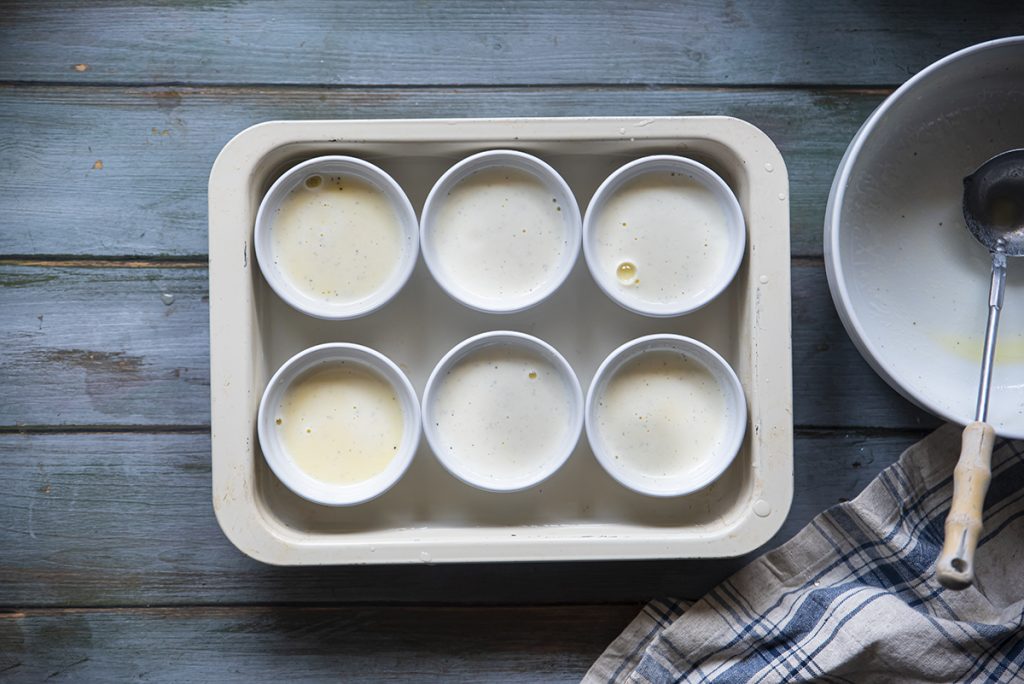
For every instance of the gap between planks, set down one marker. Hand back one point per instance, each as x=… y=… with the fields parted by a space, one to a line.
x=880 y=90
x=124 y=261
x=104 y=429
x=29 y=611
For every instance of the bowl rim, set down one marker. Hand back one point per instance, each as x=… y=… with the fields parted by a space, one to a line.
x=833 y=264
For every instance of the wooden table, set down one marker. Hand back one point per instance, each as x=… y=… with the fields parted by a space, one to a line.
x=111 y=563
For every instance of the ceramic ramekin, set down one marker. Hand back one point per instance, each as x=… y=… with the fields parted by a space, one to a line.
x=289 y=472
x=554 y=184
x=715 y=463
x=462 y=468
x=735 y=230
x=335 y=166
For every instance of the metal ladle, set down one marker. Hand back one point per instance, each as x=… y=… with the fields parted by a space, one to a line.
x=994 y=211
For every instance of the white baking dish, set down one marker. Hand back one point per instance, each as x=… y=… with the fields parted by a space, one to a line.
x=430 y=516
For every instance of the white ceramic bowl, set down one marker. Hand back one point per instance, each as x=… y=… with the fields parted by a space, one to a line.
x=471 y=473
x=908 y=280
x=450 y=281
x=736 y=230
x=734 y=421
x=297 y=479
x=335 y=166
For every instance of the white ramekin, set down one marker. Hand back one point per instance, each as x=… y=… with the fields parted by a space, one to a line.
x=715 y=463
x=466 y=348
x=554 y=184
x=339 y=166
x=297 y=479
x=737 y=233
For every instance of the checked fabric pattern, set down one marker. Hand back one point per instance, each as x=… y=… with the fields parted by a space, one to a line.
x=853 y=597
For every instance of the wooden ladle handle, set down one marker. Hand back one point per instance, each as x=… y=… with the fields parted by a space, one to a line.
x=955 y=565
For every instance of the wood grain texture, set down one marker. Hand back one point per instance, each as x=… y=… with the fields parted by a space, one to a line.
x=123 y=519
x=551 y=644
x=832 y=384
x=112 y=171
x=112 y=113
x=99 y=346
x=479 y=42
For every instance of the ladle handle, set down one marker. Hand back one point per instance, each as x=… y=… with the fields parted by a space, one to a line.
x=988 y=354
x=955 y=566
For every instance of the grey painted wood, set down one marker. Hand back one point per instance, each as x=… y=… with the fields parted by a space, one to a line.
x=107 y=155
x=155 y=148
x=99 y=346
x=478 y=42
x=125 y=519
x=246 y=644
x=832 y=384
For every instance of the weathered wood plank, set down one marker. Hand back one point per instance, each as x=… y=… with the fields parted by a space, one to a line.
x=477 y=42
x=126 y=519
x=832 y=384
x=247 y=644
x=99 y=346
x=112 y=171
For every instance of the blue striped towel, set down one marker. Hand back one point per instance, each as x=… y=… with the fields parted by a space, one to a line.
x=853 y=597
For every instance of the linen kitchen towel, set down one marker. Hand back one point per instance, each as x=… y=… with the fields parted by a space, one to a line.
x=853 y=597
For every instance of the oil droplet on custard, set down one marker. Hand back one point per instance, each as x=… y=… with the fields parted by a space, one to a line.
x=626 y=272
x=314 y=182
